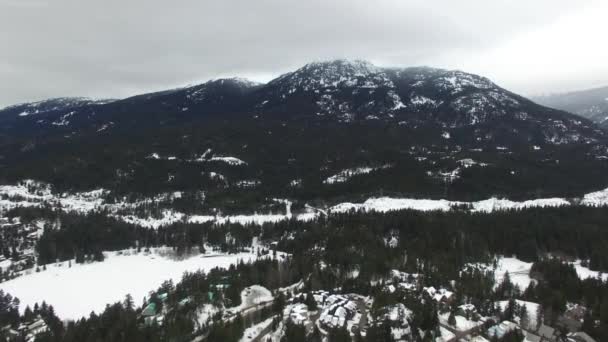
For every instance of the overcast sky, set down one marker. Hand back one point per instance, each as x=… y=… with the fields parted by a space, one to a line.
x=117 y=48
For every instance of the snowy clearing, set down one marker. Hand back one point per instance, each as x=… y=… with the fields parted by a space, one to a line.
x=519 y=272
x=29 y=193
x=584 y=272
x=385 y=204
x=344 y=175
x=76 y=291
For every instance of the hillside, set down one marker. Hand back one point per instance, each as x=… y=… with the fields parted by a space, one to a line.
x=417 y=132
x=591 y=104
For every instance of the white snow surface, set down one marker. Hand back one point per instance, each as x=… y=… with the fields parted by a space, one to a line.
x=596 y=199
x=253 y=331
x=385 y=204
x=519 y=272
x=584 y=272
x=229 y=160
x=251 y=296
x=76 y=291
x=345 y=175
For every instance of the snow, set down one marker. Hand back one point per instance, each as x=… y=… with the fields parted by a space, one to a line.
x=519 y=272
x=206 y=313
x=584 y=272
x=494 y=204
x=76 y=291
x=63 y=120
x=422 y=101
x=29 y=193
x=446 y=335
x=229 y=160
x=385 y=204
x=468 y=162
x=345 y=175
x=252 y=296
x=298 y=313
x=531 y=308
x=438 y=294
x=596 y=199
x=253 y=331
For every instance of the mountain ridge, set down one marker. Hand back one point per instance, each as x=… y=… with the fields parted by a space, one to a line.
x=404 y=129
x=339 y=90
x=591 y=103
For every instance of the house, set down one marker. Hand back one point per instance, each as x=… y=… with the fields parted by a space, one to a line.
x=478 y=339
x=571 y=324
x=575 y=311
x=439 y=295
x=499 y=330
x=33 y=328
x=9 y=332
x=163 y=296
x=466 y=310
x=580 y=337
x=530 y=337
x=149 y=310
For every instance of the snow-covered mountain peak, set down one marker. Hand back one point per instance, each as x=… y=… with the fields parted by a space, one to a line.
x=456 y=81
x=355 y=67
x=238 y=81
x=333 y=74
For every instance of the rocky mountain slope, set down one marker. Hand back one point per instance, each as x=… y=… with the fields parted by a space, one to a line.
x=420 y=132
x=340 y=91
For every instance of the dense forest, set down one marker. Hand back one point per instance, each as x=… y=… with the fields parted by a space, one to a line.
x=447 y=240
x=443 y=247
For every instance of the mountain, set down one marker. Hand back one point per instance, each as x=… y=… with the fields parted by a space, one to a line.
x=341 y=91
x=591 y=104
x=329 y=130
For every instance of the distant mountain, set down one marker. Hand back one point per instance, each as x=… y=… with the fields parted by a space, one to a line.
x=591 y=104
x=341 y=91
x=329 y=130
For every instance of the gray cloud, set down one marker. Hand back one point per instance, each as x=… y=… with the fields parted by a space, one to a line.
x=118 y=48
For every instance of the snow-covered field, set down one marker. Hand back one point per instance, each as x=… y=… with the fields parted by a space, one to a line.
x=519 y=272
x=385 y=204
x=76 y=291
x=584 y=272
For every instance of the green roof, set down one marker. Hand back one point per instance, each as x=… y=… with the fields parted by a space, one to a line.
x=150 y=310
